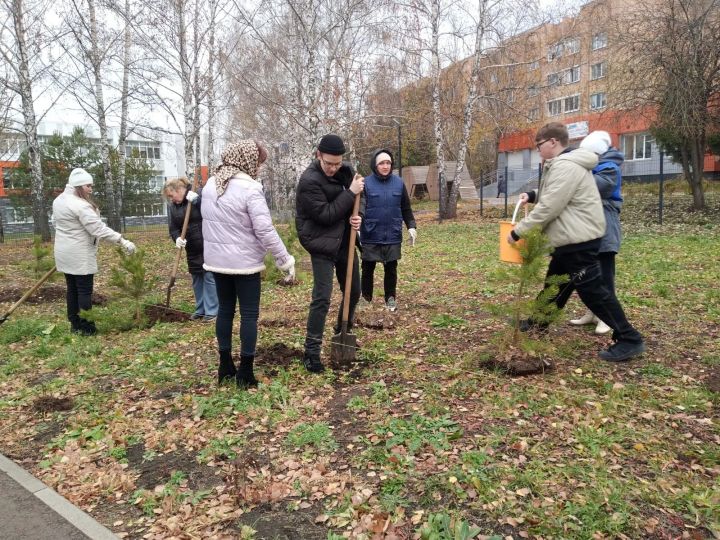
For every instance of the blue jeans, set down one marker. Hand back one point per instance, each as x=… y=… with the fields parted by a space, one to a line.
x=244 y=290
x=206 y=298
x=321 y=294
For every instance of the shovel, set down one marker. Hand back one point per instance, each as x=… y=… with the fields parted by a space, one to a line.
x=27 y=294
x=183 y=232
x=344 y=344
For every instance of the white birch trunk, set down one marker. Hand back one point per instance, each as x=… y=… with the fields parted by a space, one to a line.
x=41 y=226
x=96 y=60
x=437 y=113
x=122 y=137
x=211 y=88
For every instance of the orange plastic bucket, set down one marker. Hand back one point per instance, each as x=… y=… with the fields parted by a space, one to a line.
x=510 y=252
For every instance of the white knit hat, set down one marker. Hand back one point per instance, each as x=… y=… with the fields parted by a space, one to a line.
x=598 y=142
x=382 y=156
x=79 y=177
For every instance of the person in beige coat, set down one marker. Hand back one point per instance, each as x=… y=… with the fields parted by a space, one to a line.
x=569 y=211
x=78 y=228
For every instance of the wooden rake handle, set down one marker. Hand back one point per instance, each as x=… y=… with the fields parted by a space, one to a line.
x=27 y=295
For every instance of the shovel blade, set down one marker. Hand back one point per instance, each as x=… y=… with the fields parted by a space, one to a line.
x=342 y=351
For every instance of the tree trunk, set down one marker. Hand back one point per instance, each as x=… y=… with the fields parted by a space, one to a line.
x=95 y=58
x=437 y=113
x=41 y=227
x=211 y=88
x=697 y=159
x=122 y=137
x=186 y=81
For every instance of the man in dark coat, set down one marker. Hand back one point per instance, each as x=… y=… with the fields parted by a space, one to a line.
x=325 y=197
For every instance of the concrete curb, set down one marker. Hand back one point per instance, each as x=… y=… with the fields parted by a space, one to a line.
x=56 y=502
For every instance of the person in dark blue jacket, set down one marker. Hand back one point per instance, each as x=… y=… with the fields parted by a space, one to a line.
x=387 y=206
x=609 y=183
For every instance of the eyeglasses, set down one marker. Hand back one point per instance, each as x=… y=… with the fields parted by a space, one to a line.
x=538 y=145
x=331 y=165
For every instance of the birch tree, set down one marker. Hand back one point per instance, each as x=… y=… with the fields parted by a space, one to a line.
x=298 y=72
x=95 y=44
x=21 y=18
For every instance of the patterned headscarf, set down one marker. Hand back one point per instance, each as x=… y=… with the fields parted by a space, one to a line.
x=242 y=156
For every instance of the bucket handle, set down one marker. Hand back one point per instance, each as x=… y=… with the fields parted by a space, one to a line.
x=517 y=208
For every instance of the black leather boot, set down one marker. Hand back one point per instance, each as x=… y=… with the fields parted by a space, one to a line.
x=245 y=377
x=226 y=369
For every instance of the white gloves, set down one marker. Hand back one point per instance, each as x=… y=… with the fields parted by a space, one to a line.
x=128 y=246
x=413 y=236
x=290 y=274
x=191 y=196
x=180 y=242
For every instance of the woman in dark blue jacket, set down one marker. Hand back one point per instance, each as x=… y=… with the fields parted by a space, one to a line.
x=387 y=206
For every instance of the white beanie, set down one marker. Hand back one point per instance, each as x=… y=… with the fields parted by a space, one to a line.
x=79 y=177
x=382 y=156
x=598 y=142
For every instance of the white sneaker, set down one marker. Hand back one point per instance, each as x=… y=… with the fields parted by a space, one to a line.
x=588 y=318
x=602 y=328
x=391 y=304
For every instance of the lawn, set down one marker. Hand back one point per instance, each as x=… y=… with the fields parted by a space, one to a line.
x=419 y=439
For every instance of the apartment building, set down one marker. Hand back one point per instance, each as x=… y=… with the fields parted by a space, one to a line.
x=568 y=72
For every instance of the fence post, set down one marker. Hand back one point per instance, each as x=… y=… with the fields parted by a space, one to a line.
x=482 y=181
x=662 y=187
x=507 y=187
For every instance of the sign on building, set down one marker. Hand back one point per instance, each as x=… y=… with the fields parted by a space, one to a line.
x=577 y=130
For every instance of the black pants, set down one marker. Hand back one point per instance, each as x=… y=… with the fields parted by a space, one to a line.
x=321 y=294
x=586 y=276
x=79 y=297
x=231 y=290
x=607 y=267
x=389 y=281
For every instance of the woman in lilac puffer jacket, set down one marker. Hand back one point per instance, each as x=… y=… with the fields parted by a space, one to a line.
x=237 y=233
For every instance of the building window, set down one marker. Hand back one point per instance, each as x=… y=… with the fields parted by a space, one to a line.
x=571 y=75
x=597 y=71
x=553 y=79
x=533 y=90
x=599 y=41
x=533 y=114
x=535 y=64
x=572 y=46
x=572 y=103
x=554 y=51
x=554 y=107
x=637 y=146
x=598 y=101
x=143 y=150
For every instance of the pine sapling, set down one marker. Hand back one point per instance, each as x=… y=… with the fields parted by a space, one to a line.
x=130 y=279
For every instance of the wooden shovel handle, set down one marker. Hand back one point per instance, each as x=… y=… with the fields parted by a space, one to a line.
x=350 y=264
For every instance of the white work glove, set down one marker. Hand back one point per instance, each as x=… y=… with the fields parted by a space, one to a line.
x=290 y=274
x=128 y=246
x=413 y=236
x=191 y=196
x=180 y=242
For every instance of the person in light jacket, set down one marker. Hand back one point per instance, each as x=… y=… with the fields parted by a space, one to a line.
x=178 y=193
x=237 y=233
x=78 y=228
x=569 y=211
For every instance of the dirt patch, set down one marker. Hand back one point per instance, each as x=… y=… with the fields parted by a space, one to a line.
x=276 y=356
x=43 y=378
x=44 y=295
x=375 y=321
x=46 y=404
x=713 y=381
x=277 y=523
x=159 y=470
x=156 y=313
x=274 y=323
x=517 y=363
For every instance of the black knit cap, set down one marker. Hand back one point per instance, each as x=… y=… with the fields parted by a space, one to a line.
x=332 y=144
